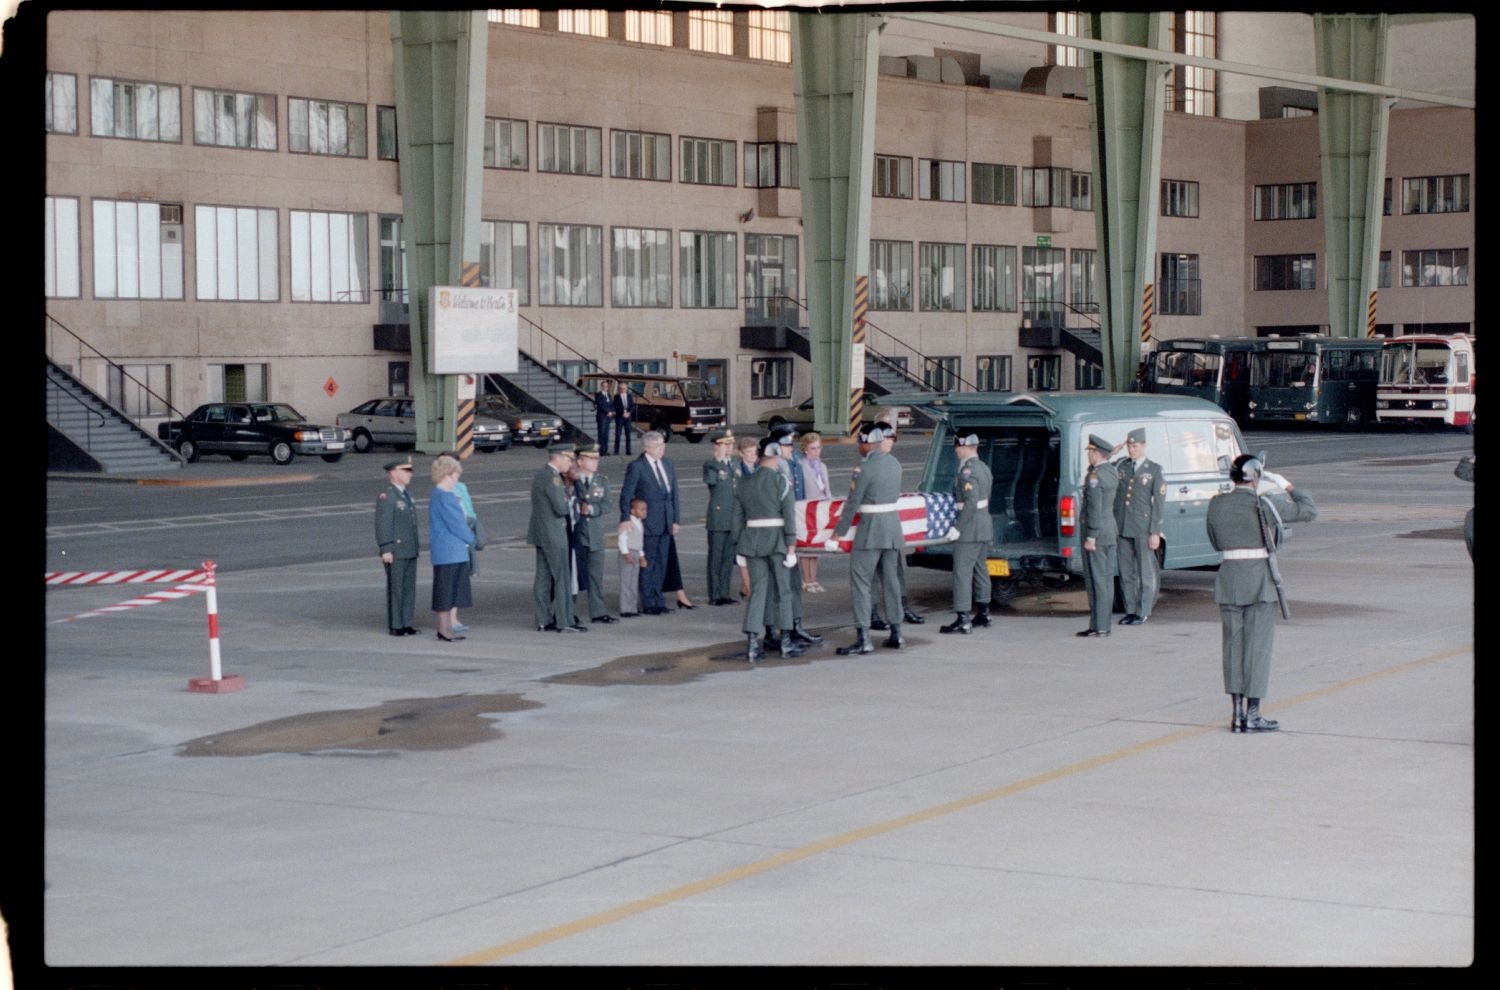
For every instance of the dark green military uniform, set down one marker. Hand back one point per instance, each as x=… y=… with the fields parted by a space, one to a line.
x=971 y=494
x=873 y=492
x=547 y=530
x=765 y=528
x=1244 y=590
x=1098 y=524
x=396 y=534
x=720 y=476
x=1140 y=511
x=590 y=493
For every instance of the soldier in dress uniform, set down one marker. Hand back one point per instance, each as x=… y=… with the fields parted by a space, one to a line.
x=547 y=530
x=971 y=572
x=396 y=536
x=1100 y=535
x=1140 y=509
x=590 y=491
x=765 y=532
x=786 y=436
x=887 y=444
x=1245 y=523
x=720 y=473
x=873 y=492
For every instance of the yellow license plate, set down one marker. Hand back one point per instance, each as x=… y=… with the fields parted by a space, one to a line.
x=546 y=431
x=1299 y=415
x=998 y=568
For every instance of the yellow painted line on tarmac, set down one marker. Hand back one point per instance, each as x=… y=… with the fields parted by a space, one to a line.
x=641 y=906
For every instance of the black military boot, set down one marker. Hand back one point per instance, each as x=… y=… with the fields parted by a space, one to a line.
x=861 y=644
x=982 y=616
x=773 y=635
x=1253 y=721
x=753 y=650
x=1237 y=716
x=895 y=640
x=790 y=647
x=877 y=623
x=958 y=625
x=800 y=633
x=908 y=616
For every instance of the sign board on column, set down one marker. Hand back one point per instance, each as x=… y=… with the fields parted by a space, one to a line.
x=471 y=330
x=857 y=364
x=467 y=386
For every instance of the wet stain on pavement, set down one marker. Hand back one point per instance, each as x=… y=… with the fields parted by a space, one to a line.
x=1446 y=533
x=408 y=724
x=1201 y=602
x=683 y=666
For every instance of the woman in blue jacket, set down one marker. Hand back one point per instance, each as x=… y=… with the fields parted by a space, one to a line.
x=450 y=538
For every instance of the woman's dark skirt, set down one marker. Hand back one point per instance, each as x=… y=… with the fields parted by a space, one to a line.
x=450 y=586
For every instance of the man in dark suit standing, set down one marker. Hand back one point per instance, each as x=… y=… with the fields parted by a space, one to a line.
x=604 y=413
x=624 y=406
x=653 y=478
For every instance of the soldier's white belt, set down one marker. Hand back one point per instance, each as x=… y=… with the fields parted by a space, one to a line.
x=1249 y=554
x=765 y=523
x=983 y=503
x=884 y=507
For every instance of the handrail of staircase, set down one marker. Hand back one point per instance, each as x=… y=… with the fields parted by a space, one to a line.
x=1082 y=312
x=560 y=344
x=88 y=427
x=173 y=410
x=887 y=362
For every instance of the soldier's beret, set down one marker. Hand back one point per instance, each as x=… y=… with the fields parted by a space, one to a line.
x=722 y=436
x=1100 y=444
x=400 y=462
x=967 y=440
x=1137 y=435
x=768 y=447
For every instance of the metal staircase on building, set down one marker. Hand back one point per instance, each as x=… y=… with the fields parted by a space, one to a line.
x=86 y=433
x=537 y=387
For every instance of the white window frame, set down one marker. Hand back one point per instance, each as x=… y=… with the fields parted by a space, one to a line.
x=502 y=136
x=592 y=22
x=329 y=256
x=63 y=268
x=996 y=276
x=257 y=381
x=711 y=31
x=941 y=277
x=940 y=180
x=323 y=127
x=1435 y=267
x=649 y=27
x=640 y=268
x=212 y=128
x=891 y=264
x=133 y=396
x=138 y=249
x=154 y=110
x=61 y=102
x=998 y=186
x=516 y=16
x=569 y=149
x=640 y=155
x=709 y=161
x=708 y=269
x=892 y=178
x=509 y=268
x=382 y=144
x=1179 y=198
x=771 y=378
x=992 y=372
x=1435 y=194
x=770 y=35
x=237 y=256
x=570 y=264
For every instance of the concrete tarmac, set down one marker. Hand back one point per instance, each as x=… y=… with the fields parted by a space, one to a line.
x=1017 y=797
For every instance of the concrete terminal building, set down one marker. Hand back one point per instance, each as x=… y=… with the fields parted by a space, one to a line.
x=223 y=200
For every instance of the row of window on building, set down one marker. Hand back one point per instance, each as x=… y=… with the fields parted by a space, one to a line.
x=769 y=32
x=138 y=253
x=1419 y=194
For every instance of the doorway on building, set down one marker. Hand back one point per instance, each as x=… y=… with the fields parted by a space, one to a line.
x=715 y=371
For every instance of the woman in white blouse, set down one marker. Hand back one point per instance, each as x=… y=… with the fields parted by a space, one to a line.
x=815 y=482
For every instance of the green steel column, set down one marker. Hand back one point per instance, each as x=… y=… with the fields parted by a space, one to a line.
x=1352 y=132
x=834 y=58
x=1125 y=105
x=440 y=86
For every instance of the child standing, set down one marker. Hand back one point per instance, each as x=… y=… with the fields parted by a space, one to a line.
x=632 y=559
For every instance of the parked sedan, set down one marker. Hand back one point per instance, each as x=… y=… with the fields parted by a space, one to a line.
x=802 y=416
x=240 y=429
x=536 y=429
x=392 y=420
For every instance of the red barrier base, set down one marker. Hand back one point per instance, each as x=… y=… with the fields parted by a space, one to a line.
x=225 y=684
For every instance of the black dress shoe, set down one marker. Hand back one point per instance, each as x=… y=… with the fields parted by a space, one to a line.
x=1093 y=632
x=398 y=632
x=1130 y=620
x=879 y=624
x=408 y=631
x=606 y=619
x=629 y=615
x=894 y=641
x=549 y=627
x=911 y=618
x=576 y=627
x=656 y=611
x=451 y=639
x=687 y=605
x=722 y=601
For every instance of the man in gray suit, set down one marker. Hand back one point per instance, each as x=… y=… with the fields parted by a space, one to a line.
x=873 y=492
x=765 y=531
x=971 y=573
x=1100 y=535
x=1246 y=526
x=1140 y=511
x=547 y=530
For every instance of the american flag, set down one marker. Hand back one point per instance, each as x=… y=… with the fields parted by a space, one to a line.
x=925 y=517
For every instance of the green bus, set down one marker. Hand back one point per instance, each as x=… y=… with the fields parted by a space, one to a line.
x=1212 y=368
x=1313 y=379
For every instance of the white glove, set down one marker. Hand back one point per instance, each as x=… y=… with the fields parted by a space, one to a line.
x=739 y=560
x=790 y=560
x=1273 y=478
x=952 y=534
x=831 y=546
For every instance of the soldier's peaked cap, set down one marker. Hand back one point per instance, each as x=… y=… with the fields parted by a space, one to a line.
x=561 y=448
x=1100 y=444
x=873 y=433
x=768 y=447
x=966 y=440
x=400 y=462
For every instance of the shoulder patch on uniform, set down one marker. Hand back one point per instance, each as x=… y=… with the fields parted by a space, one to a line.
x=382 y=497
x=1093 y=480
x=1163 y=490
x=557 y=481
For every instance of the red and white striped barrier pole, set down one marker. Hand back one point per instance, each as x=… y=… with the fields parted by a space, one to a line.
x=217 y=682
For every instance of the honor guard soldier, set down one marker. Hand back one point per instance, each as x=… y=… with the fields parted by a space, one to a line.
x=1140 y=509
x=720 y=473
x=971 y=572
x=887 y=444
x=1100 y=535
x=547 y=530
x=873 y=492
x=786 y=436
x=765 y=530
x=1245 y=524
x=590 y=492
x=396 y=536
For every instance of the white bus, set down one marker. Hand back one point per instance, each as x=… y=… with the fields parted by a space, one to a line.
x=1427 y=379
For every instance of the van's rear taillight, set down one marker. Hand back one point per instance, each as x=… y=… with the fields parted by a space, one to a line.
x=1067 y=512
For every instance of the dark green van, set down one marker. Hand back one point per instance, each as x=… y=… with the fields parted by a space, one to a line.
x=1034 y=446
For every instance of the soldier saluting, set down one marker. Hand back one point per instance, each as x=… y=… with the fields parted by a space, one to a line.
x=873 y=492
x=971 y=574
x=1100 y=535
x=1140 y=510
